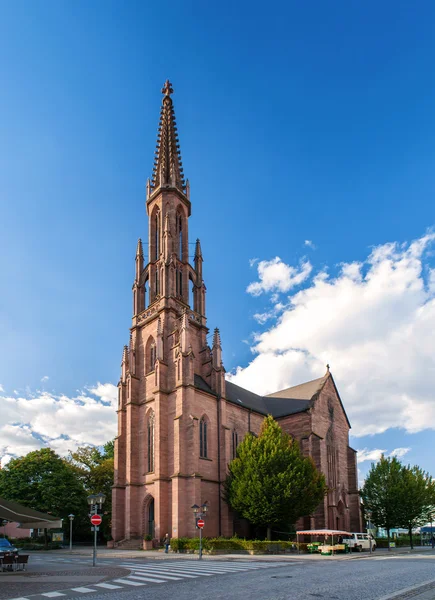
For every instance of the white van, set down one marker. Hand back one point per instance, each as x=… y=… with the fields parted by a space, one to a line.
x=359 y=541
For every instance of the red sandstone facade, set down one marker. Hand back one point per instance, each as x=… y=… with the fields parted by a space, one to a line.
x=179 y=420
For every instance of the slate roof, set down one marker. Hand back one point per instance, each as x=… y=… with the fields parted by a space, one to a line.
x=279 y=404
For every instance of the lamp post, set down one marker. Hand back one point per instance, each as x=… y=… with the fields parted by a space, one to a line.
x=369 y=516
x=71 y=519
x=431 y=533
x=95 y=501
x=200 y=512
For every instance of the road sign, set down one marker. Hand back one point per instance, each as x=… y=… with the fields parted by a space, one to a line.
x=96 y=520
x=200 y=523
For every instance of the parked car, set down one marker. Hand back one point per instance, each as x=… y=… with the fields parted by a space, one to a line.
x=359 y=541
x=7 y=549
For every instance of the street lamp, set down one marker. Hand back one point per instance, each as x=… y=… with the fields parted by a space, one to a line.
x=369 y=516
x=431 y=533
x=95 y=501
x=200 y=512
x=71 y=519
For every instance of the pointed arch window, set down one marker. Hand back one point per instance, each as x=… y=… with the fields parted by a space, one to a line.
x=180 y=236
x=157 y=236
x=157 y=290
x=150 y=442
x=203 y=441
x=179 y=275
x=235 y=443
x=152 y=357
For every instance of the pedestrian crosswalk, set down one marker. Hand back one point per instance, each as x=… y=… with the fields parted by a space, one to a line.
x=158 y=572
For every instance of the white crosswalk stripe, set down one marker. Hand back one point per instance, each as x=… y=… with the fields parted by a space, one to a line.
x=149 y=572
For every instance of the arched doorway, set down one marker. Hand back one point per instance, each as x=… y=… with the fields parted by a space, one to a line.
x=151 y=517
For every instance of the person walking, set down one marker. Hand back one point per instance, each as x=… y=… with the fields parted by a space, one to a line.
x=166 y=543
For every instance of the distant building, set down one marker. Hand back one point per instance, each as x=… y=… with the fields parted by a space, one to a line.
x=179 y=420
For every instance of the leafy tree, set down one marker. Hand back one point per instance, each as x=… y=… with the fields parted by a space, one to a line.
x=417 y=497
x=381 y=493
x=94 y=469
x=44 y=481
x=270 y=482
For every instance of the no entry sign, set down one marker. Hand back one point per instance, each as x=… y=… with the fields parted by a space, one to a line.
x=96 y=520
x=200 y=523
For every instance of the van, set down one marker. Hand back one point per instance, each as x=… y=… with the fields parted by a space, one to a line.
x=359 y=541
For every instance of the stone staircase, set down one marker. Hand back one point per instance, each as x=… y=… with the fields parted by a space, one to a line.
x=131 y=544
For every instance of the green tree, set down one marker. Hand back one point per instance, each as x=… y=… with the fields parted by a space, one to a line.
x=44 y=481
x=270 y=482
x=417 y=496
x=94 y=469
x=381 y=493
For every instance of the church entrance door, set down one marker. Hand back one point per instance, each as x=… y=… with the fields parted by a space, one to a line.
x=151 y=517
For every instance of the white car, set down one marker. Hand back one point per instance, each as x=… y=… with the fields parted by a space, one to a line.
x=359 y=541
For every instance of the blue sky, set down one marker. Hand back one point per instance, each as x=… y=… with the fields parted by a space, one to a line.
x=299 y=122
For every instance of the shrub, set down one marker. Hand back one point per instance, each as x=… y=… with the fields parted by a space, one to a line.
x=234 y=544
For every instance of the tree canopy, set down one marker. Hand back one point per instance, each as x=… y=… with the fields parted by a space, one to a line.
x=398 y=495
x=270 y=482
x=43 y=481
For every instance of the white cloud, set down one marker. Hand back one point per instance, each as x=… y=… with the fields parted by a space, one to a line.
x=374 y=455
x=310 y=244
x=277 y=276
x=252 y=261
x=43 y=419
x=373 y=322
x=45 y=378
x=2 y=389
x=399 y=452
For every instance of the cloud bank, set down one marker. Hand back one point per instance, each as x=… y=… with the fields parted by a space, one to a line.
x=39 y=420
x=373 y=322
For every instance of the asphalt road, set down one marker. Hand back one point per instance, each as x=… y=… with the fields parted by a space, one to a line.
x=365 y=578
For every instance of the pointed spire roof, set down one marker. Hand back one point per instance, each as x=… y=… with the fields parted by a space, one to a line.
x=125 y=355
x=168 y=170
x=139 y=248
x=198 y=252
x=216 y=338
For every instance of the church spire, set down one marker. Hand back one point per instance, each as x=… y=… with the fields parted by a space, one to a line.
x=168 y=170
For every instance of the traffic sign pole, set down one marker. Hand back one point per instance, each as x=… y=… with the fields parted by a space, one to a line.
x=200 y=543
x=95 y=521
x=200 y=524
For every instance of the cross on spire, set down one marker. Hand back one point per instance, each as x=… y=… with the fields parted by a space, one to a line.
x=167 y=88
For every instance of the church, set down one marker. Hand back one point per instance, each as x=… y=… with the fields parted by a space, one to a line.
x=179 y=419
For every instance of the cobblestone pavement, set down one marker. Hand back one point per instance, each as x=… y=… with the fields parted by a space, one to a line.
x=380 y=577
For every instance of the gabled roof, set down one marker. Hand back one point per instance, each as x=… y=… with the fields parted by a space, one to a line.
x=303 y=391
x=277 y=407
x=292 y=400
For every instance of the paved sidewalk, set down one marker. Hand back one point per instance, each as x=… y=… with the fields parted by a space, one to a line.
x=105 y=553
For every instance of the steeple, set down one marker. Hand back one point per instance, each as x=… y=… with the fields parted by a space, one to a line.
x=168 y=170
x=139 y=260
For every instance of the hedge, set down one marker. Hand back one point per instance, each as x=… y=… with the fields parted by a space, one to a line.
x=400 y=541
x=238 y=545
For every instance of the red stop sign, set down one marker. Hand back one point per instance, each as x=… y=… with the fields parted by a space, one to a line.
x=96 y=520
x=200 y=523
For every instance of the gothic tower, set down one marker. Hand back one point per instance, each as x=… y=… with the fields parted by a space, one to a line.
x=158 y=413
x=179 y=420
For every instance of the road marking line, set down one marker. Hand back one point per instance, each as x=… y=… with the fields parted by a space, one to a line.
x=53 y=594
x=161 y=573
x=83 y=590
x=147 y=579
x=406 y=590
x=128 y=582
x=108 y=586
